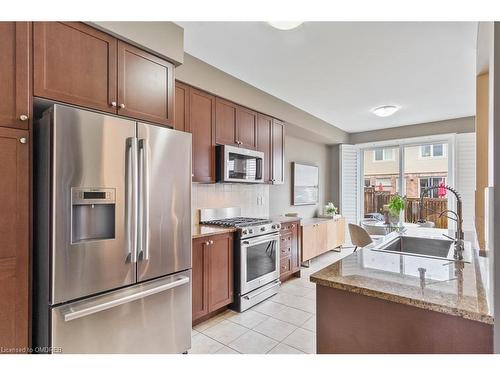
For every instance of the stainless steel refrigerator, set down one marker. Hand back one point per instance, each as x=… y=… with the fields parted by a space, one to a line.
x=112 y=254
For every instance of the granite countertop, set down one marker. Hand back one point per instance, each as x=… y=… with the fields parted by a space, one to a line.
x=200 y=230
x=454 y=288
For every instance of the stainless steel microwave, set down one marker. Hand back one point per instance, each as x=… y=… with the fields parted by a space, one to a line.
x=236 y=164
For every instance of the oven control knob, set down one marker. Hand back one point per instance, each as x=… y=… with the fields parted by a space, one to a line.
x=250 y=231
x=244 y=231
x=276 y=226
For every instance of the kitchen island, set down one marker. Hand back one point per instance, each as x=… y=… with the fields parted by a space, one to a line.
x=380 y=302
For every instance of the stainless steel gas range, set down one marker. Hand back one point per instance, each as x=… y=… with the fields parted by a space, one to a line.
x=256 y=254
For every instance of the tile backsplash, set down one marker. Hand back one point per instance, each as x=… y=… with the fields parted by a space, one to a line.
x=252 y=198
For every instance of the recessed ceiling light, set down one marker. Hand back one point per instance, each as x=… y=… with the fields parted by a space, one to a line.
x=286 y=25
x=385 y=110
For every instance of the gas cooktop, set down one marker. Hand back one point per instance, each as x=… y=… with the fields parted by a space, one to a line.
x=237 y=222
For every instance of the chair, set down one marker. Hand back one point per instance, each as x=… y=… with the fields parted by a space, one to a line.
x=359 y=236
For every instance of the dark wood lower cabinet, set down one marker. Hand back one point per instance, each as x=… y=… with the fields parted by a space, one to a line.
x=289 y=250
x=351 y=323
x=212 y=280
x=14 y=239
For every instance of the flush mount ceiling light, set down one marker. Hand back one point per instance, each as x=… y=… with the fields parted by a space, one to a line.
x=285 y=25
x=385 y=110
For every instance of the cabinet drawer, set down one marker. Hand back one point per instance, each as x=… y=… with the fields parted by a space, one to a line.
x=285 y=265
x=286 y=250
x=288 y=226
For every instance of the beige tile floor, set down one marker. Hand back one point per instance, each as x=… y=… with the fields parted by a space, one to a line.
x=283 y=324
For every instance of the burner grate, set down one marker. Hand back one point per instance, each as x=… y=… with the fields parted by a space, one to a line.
x=237 y=222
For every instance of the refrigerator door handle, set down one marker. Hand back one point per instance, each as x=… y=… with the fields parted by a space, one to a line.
x=131 y=197
x=144 y=198
x=72 y=313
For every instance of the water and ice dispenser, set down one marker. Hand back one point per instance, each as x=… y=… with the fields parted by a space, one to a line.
x=93 y=214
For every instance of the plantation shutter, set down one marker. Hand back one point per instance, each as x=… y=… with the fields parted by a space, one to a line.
x=349 y=184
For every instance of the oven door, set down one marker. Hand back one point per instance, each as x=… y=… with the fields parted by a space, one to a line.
x=241 y=165
x=259 y=261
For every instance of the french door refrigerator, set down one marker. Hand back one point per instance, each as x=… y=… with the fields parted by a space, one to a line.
x=112 y=256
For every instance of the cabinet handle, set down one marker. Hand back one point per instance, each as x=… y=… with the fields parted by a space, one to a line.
x=23 y=117
x=211 y=242
x=207 y=243
x=113 y=104
x=122 y=106
x=23 y=140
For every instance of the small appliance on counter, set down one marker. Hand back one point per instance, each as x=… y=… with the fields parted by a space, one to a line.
x=256 y=254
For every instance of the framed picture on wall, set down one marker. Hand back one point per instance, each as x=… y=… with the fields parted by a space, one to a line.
x=305 y=180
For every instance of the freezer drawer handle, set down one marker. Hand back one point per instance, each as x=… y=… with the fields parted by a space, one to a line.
x=75 y=314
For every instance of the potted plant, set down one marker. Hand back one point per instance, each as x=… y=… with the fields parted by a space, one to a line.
x=330 y=209
x=397 y=206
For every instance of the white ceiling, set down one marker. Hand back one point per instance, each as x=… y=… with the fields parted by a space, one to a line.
x=338 y=71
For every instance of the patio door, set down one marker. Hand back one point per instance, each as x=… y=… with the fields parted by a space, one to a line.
x=406 y=170
x=426 y=165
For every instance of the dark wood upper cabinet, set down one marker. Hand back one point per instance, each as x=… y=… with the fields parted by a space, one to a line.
x=181 y=114
x=76 y=64
x=264 y=144
x=202 y=127
x=14 y=238
x=278 y=152
x=246 y=127
x=15 y=108
x=225 y=122
x=145 y=85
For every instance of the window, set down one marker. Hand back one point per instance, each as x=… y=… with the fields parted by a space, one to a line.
x=383 y=154
x=432 y=151
x=425 y=182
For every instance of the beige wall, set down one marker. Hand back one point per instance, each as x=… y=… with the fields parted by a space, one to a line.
x=458 y=125
x=204 y=76
x=163 y=38
x=299 y=150
x=482 y=110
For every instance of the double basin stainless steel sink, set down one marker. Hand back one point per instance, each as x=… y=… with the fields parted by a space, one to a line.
x=434 y=247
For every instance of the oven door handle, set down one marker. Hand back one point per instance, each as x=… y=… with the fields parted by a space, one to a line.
x=256 y=241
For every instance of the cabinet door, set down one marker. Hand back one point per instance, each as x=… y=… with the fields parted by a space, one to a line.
x=15 y=108
x=331 y=227
x=14 y=239
x=295 y=247
x=278 y=144
x=308 y=242
x=220 y=271
x=199 y=282
x=246 y=128
x=225 y=122
x=145 y=85
x=264 y=130
x=202 y=127
x=322 y=237
x=340 y=232
x=181 y=116
x=74 y=63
